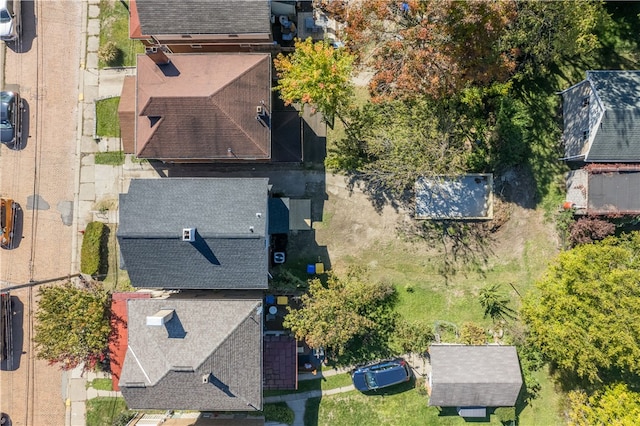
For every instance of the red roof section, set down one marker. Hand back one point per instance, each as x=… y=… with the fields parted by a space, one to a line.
x=119 y=334
x=135 y=31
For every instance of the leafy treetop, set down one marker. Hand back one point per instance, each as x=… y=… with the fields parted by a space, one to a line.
x=586 y=318
x=72 y=325
x=316 y=74
x=345 y=313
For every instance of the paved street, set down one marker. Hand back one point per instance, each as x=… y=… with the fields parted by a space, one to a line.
x=41 y=177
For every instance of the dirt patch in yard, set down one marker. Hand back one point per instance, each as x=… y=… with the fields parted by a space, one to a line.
x=354 y=231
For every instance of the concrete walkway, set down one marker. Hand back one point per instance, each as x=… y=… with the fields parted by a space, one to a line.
x=95 y=183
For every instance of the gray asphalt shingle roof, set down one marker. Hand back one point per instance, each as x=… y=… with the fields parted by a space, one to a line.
x=230 y=216
x=204 y=17
x=220 y=339
x=602 y=117
x=474 y=376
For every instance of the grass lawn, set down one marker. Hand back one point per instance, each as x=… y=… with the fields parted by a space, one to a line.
x=102 y=384
x=114 y=26
x=103 y=411
x=107 y=117
x=110 y=158
x=406 y=408
x=546 y=409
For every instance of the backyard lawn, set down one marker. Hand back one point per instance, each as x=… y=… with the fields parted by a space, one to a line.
x=409 y=407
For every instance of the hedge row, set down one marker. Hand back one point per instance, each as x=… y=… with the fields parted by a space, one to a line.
x=91 y=254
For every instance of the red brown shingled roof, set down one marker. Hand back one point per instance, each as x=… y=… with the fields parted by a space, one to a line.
x=203 y=107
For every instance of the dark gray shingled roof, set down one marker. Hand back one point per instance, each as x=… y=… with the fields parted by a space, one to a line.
x=217 y=338
x=611 y=117
x=204 y=17
x=230 y=216
x=474 y=376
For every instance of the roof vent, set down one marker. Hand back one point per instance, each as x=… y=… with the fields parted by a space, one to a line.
x=160 y=318
x=260 y=110
x=251 y=229
x=258 y=215
x=205 y=378
x=189 y=234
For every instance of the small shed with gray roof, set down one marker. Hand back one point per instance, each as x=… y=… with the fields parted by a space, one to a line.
x=194 y=352
x=195 y=233
x=462 y=197
x=602 y=118
x=474 y=377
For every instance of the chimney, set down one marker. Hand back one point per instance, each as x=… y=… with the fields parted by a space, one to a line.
x=189 y=234
x=160 y=318
x=157 y=55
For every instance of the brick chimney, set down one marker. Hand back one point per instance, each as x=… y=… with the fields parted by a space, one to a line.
x=157 y=55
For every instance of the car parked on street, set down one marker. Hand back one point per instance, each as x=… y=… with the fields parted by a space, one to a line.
x=7 y=219
x=10 y=119
x=381 y=375
x=10 y=19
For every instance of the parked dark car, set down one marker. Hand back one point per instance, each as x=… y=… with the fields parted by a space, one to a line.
x=5 y=325
x=381 y=375
x=10 y=118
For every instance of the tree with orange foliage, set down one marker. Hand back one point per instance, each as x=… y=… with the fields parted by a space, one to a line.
x=439 y=47
x=430 y=47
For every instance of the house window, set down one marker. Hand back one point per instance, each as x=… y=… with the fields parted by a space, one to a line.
x=185 y=36
x=233 y=35
x=585 y=101
x=585 y=135
x=196 y=46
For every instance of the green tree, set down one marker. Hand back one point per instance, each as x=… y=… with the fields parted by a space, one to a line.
x=72 y=325
x=316 y=74
x=388 y=145
x=547 y=32
x=495 y=303
x=615 y=405
x=344 y=315
x=585 y=316
x=411 y=337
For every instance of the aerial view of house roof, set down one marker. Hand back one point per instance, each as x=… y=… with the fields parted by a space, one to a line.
x=195 y=233
x=204 y=107
x=474 y=376
x=201 y=17
x=602 y=117
x=194 y=352
x=604 y=189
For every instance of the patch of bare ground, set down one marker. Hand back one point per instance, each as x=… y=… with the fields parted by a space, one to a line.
x=518 y=237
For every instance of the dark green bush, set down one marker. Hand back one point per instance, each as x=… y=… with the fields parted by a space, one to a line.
x=278 y=412
x=505 y=414
x=91 y=248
